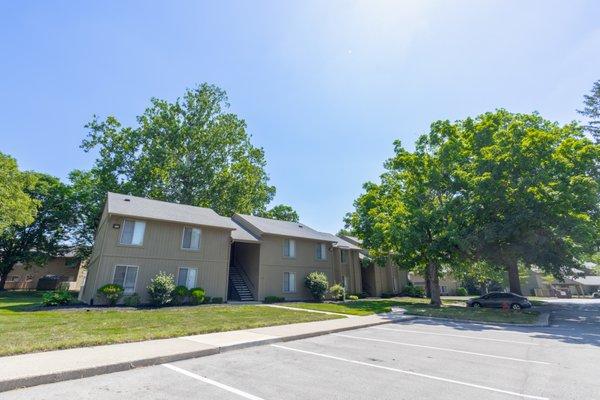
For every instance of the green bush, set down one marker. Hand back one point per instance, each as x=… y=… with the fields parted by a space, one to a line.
x=56 y=298
x=316 y=283
x=180 y=294
x=207 y=300
x=461 y=291
x=418 y=291
x=133 y=300
x=216 y=300
x=274 y=299
x=337 y=292
x=197 y=295
x=111 y=292
x=352 y=297
x=161 y=288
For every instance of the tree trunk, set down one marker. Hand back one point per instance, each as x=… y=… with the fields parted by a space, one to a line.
x=427 y=285
x=3 y=281
x=434 y=284
x=514 y=283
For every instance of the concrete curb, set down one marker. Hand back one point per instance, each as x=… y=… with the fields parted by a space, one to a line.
x=18 y=383
x=541 y=322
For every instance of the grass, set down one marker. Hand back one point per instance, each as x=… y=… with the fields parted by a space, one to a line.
x=451 y=308
x=26 y=328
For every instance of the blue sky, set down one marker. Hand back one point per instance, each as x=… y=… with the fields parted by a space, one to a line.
x=325 y=86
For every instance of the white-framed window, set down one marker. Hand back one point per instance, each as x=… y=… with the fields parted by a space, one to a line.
x=187 y=277
x=289 y=248
x=13 y=278
x=321 y=251
x=190 y=239
x=343 y=256
x=132 y=233
x=289 y=282
x=126 y=276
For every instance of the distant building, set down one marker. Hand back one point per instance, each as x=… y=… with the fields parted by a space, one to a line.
x=65 y=268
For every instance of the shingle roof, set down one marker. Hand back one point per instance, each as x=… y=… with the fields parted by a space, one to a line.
x=240 y=234
x=588 y=280
x=139 y=207
x=283 y=228
x=344 y=244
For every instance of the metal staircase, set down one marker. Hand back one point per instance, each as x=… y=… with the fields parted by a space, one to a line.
x=238 y=288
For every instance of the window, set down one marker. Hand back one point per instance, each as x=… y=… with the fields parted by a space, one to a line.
x=443 y=289
x=187 y=277
x=133 y=232
x=321 y=251
x=14 y=278
x=344 y=256
x=191 y=238
x=289 y=248
x=289 y=282
x=126 y=275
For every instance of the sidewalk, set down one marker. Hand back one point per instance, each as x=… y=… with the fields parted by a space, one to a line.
x=60 y=365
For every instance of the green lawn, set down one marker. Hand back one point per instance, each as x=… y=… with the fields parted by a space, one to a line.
x=25 y=328
x=452 y=308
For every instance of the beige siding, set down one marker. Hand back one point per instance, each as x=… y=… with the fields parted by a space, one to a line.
x=273 y=265
x=161 y=251
x=351 y=269
x=28 y=275
x=386 y=279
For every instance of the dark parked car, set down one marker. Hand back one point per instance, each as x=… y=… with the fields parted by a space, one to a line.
x=499 y=300
x=596 y=295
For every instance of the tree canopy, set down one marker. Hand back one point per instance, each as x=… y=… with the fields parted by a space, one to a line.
x=281 y=212
x=16 y=207
x=591 y=110
x=498 y=190
x=190 y=151
x=47 y=235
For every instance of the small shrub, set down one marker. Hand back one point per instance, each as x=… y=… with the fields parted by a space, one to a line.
x=461 y=291
x=418 y=291
x=133 y=300
x=56 y=298
x=207 y=300
x=180 y=294
x=352 y=297
x=216 y=300
x=316 y=283
x=111 y=292
x=161 y=288
x=274 y=299
x=337 y=291
x=197 y=295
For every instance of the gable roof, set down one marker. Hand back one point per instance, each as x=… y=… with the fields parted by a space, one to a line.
x=344 y=244
x=266 y=226
x=139 y=207
x=241 y=234
x=352 y=239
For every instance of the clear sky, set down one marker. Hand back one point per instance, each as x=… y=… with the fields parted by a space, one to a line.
x=325 y=86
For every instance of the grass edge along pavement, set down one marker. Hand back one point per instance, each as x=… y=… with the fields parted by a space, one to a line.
x=25 y=327
x=451 y=309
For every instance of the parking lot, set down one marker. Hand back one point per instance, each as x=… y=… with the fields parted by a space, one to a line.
x=411 y=360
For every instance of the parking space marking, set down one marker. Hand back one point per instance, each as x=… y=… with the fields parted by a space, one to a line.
x=442 y=349
x=211 y=382
x=452 y=335
x=437 y=378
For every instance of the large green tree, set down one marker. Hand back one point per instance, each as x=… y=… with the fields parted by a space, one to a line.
x=16 y=207
x=411 y=216
x=281 y=212
x=591 y=110
x=529 y=191
x=49 y=232
x=190 y=151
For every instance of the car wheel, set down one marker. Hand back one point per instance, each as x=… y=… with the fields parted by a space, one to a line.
x=476 y=305
x=516 y=306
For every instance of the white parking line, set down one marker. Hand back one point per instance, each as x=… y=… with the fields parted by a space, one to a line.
x=451 y=335
x=441 y=349
x=437 y=378
x=211 y=382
